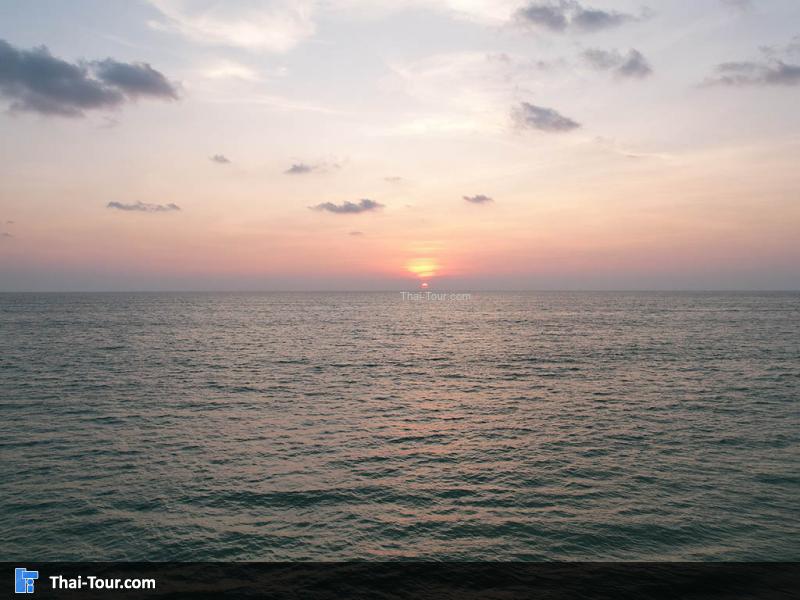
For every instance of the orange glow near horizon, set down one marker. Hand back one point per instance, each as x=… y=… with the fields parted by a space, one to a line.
x=423 y=268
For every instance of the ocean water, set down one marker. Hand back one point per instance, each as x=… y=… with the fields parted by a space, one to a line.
x=506 y=426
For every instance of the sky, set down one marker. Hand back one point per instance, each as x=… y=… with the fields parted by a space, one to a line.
x=383 y=144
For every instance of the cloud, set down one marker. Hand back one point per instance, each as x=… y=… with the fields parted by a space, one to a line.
x=602 y=59
x=227 y=69
x=135 y=79
x=220 y=159
x=5 y=234
x=356 y=233
x=305 y=168
x=300 y=169
x=595 y=20
x=478 y=199
x=635 y=65
x=563 y=15
x=9 y=222
x=774 y=69
x=549 y=16
x=743 y=74
x=631 y=65
x=271 y=25
x=144 y=207
x=36 y=81
x=530 y=116
x=280 y=25
x=787 y=51
x=393 y=179
x=364 y=205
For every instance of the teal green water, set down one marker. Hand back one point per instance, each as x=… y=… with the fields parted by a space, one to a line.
x=557 y=426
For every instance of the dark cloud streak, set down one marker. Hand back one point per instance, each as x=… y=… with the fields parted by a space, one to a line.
x=300 y=169
x=568 y=15
x=774 y=69
x=363 y=205
x=478 y=199
x=747 y=74
x=530 y=116
x=631 y=65
x=595 y=20
x=549 y=16
x=144 y=207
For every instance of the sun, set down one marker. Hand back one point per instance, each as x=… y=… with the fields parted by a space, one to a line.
x=423 y=268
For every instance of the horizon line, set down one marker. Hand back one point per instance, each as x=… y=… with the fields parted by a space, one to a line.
x=413 y=290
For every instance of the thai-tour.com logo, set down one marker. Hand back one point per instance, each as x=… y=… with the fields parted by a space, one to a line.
x=24 y=580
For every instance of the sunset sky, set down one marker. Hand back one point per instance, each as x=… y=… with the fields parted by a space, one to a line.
x=373 y=144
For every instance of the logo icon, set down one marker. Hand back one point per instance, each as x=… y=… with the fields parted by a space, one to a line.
x=23 y=580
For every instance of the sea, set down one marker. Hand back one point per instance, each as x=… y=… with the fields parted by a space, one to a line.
x=536 y=426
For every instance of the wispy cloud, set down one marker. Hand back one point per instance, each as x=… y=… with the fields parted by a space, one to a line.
x=300 y=169
x=36 y=81
x=612 y=145
x=742 y=74
x=271 y=25
x=220 y=159
x=775 y=68
x=569 y=15
x=393 y=179
x=364 y=205
x=478 y=199
x=466 y=91
x=356 y=233
x=5 y=234
x=630 y=65
x=530 y=116
x=227 y=69
x=143 y=207
x=783 y=50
